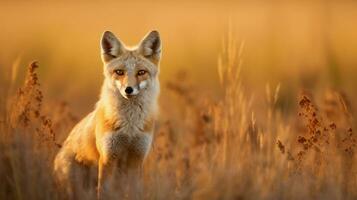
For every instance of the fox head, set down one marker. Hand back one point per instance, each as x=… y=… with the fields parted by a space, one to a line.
x=131 y=71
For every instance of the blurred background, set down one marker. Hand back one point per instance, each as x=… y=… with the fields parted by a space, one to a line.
x=299 y=44
x=283 y=129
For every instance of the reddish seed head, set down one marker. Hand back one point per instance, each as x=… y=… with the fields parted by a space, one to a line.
x=333 y=126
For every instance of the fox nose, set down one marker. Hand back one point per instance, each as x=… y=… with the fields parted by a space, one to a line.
x=129 y=90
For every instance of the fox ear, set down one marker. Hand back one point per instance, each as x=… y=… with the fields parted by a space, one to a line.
x=150 y=46
x=111 y=47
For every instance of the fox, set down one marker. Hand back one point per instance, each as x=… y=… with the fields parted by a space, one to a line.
x=118 y=134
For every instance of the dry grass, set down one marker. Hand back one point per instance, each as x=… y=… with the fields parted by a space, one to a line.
x=205 y=148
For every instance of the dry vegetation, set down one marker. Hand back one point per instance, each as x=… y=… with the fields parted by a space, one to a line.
x=205 y=148
x=279 y=125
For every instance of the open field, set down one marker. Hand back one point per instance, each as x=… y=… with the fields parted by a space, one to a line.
x=257 y=99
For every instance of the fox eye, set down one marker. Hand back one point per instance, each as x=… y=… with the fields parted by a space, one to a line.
x=141 y=72
x=119 y=72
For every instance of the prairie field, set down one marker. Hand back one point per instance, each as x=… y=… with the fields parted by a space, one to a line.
x=258 y=98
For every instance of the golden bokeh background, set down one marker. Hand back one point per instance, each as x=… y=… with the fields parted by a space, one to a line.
x=283 y=129
x=300 y=44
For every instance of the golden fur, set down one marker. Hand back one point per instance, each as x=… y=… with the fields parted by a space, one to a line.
x=118 y=133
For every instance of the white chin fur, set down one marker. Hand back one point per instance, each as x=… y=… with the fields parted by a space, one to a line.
x=124 y=95
x=135 y=92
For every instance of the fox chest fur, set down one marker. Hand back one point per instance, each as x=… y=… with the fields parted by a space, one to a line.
x=125 y=132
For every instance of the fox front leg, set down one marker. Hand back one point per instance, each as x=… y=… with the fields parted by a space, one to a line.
x=104 y=170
